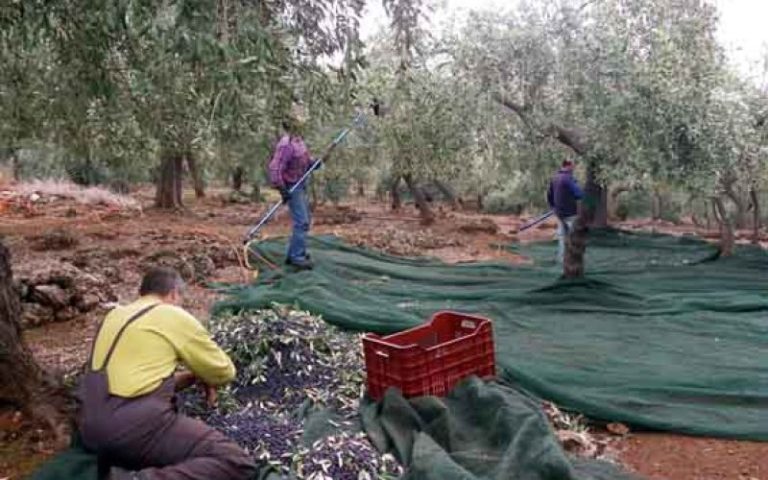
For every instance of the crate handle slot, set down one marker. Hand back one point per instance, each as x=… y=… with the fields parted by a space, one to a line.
x=468 y=324
x=382 y=353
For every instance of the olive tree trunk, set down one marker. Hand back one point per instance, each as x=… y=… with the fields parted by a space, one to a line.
x=576 y=241
x=23 y=384
x=656 y=206
x=256 y=192
x=449 y=194
x=727 y=236
x=196 y=174
x=169 y=183
x=600 y=195
x=394 y=190
x=741 y=208
x=237 y=178
x=361 y=188
x=756 y=214
x=613 y=204
x=427 y=217
x=16 y=164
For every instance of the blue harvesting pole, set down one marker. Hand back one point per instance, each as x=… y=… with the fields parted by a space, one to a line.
x=536 y=221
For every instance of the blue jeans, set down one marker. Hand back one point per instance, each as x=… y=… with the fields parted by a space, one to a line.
x=564 y=227
x=299 y=207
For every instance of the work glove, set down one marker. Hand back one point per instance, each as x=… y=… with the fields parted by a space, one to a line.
x=285 y=194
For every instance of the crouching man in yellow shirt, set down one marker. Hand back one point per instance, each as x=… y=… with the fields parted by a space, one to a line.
x=127 y=415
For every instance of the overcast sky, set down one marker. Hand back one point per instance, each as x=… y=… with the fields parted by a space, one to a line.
x=743 y=28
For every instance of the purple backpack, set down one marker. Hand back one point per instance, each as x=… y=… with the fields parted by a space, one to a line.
x=282 y=149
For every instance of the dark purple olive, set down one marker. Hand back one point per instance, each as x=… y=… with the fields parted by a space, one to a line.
x=282 y=361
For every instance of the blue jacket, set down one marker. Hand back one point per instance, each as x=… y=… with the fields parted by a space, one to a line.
x=564 y=193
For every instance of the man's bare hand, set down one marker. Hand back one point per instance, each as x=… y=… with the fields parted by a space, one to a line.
x=183 y=379
x=211 y=395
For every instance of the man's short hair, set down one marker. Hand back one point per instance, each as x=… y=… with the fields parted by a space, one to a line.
x=160 y=281
x=567 y=163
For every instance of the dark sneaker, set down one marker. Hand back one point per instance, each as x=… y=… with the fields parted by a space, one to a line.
x=307 y=256
x=300 y=263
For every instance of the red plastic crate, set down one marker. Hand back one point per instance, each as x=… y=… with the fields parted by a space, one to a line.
x=431 y=358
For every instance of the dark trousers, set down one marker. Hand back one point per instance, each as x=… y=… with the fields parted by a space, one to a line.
x=191 y=450
x=147 y=435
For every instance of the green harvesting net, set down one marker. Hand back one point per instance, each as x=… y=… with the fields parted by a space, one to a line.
x=479 y=431
x=661 y=334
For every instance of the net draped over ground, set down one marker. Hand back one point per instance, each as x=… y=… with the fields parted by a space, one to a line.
x=661 y=334
x=479 y=431
x=482 y=431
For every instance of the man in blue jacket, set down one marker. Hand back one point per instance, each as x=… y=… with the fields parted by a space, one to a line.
x=563 y=196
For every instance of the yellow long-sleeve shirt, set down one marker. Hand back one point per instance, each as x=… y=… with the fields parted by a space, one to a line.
x=152 y=347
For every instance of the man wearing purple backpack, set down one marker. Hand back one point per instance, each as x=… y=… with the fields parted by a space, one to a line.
x=290 y=160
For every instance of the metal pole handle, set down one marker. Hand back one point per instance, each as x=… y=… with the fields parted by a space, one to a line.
x=536 y=221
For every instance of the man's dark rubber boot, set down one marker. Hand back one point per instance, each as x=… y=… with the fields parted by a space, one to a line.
x=303 y=264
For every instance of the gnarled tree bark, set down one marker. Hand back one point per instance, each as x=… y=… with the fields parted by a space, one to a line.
x=598 y=205
x=656 y=206
x=256 y=192
x=394 y=191
x=427 y=217
x=15 y=164
x=741 y=208
x=237 y=178
x=727 y=183
x=613 y=202
x=169 y=184
x=569 y=137
x=696 y=222
x=576 y=241
x=196 y=174
x=756 y=215
x=23 y=384
x=575 y=246
x=727 y=237
x=449 y=194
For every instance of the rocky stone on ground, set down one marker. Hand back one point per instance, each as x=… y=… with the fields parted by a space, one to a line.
x=481 y=225
x=58 y=239
x=339 y=216
x=197 y=267
x=400 y=242
x=52 y=291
